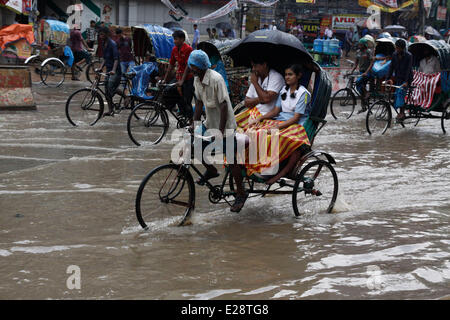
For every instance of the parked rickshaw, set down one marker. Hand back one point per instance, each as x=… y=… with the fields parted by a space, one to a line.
x=436 y=106
x=167 y=194
x=15 y=43
x=154 y=40
x=50 y=52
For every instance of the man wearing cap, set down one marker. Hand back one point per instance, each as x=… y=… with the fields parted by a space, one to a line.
x=211 y=93
x=364 y=59
x=401 y=69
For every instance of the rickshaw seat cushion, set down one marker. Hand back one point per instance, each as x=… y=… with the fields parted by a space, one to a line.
x=141 y=80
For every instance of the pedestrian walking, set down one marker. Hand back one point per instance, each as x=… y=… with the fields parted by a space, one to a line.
x=124 y=46
x=196 y=37
x=91 y=35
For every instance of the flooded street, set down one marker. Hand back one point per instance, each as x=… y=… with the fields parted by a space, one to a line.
x=67 y=198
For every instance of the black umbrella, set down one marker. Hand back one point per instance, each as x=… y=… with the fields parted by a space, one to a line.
x=281 y=50
x=224 y=26
x=172 y=25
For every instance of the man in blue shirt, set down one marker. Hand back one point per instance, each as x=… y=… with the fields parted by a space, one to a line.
x=112 y=62
x=196 y=37
x=401 y=69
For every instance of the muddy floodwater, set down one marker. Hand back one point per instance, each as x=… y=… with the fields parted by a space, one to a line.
x=67 y=199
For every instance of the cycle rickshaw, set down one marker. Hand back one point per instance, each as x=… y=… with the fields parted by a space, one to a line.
x=168 y=192
x=15 y=43
x=428 y=97
x=48 y=60
x=149 y=120
x=344 y=101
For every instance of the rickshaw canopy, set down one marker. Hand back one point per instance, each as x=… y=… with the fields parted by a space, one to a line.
x=440 y=49
x=217 y=47
x=153 y=38
x=54 y=31
x=14 y=33
x=385 y=46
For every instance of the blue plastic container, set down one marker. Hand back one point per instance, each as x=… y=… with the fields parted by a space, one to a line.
x=326 y=46
x=334 y=46
x=318 y=45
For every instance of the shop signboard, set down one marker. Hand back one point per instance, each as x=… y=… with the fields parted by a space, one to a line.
x=326 y=22
x=311 y=28
x=346 y=21
x=441 y=13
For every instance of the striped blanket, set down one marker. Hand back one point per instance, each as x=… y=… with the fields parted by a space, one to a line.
x=268 y=148
x=425 y=85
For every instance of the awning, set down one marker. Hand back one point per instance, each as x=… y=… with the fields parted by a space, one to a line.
x=17 y=6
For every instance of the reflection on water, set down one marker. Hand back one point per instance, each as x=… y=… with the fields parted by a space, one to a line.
x=67 y=198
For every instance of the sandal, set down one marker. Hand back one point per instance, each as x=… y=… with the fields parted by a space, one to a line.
x=400 y=119
x=239 y=203
x=109 y=114
x=206 y=177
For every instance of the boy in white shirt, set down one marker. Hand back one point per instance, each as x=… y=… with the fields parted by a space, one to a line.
x=265 y=87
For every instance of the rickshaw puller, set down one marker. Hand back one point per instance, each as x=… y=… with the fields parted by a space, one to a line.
x=112 y=62
x=185 y=80
x=211 y=93
x=401 y=66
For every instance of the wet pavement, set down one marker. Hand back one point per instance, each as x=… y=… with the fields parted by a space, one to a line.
x=67 y=199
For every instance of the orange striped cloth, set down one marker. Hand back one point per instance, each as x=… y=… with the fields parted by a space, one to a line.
x=269 y=148
x=243 y=118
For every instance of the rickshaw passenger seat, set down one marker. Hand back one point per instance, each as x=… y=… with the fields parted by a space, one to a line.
x=141 y=80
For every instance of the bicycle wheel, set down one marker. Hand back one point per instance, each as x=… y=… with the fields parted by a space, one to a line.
x=84 y=108
x=378 y=118
x=35 y=65
x=343 y=104
x=53 y=73
x=147 y=124
x=445 y=116
x=90 y=70
x=316 y=189
x=166 y=196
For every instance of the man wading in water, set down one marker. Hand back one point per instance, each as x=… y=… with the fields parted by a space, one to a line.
x=211 y=92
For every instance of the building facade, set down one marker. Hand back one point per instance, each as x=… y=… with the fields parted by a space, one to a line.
x=134 y=12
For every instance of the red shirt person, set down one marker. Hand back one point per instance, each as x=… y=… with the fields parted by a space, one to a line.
x=185 y=79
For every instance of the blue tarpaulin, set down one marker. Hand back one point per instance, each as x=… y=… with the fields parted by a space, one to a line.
x=142 y=79
x=56 y=25
x=162 y=40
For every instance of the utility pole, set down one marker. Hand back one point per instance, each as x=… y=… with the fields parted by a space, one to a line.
x=422 y=17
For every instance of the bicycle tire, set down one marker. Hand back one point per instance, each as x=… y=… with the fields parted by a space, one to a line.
x=53 y=74
x=445 y=116
x=164 y=191
x=343 y=109
x=147 y=123
x=84 y=107
x=379 y=113
x=307 y=183
x=90 y=70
